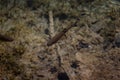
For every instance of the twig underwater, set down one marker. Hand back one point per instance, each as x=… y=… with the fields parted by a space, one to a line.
x=59 y=35
x=6 y=38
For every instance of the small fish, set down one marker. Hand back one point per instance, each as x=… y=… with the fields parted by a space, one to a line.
x=5 y=38
x=59 y=35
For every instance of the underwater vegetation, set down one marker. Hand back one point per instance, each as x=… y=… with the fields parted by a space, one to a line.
x=87 y=52
x=9 y=62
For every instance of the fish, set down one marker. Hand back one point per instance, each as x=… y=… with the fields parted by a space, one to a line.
x=6 y=38
x=59 y=35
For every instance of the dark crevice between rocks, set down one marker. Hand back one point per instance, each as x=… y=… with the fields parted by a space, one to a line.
x=62 y=16
x=63 y=76
x=46 y=31
x=74 y=65
x=117 y=40
x=53 y=70
x=82 y=44
x=31 y=4
x=118 y=0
